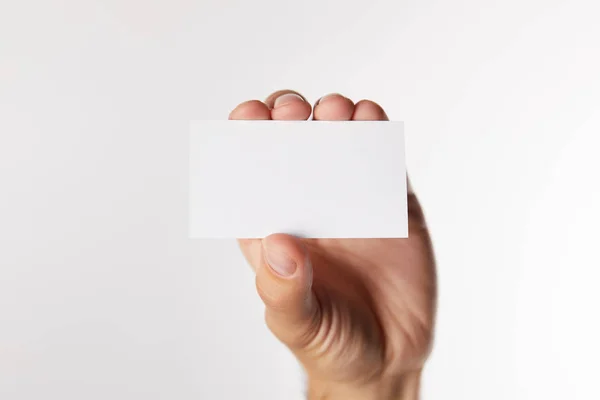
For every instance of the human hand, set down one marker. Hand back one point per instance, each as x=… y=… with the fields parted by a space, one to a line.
x=357 y=313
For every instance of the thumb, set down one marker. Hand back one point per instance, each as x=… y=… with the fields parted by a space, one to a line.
x=284 y=283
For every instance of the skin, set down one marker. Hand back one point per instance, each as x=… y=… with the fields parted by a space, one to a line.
x=357 y=313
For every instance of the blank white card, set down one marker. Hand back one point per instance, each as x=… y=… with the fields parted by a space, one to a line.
x=312 y=179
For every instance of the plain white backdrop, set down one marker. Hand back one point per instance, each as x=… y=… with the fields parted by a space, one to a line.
x=102 y=295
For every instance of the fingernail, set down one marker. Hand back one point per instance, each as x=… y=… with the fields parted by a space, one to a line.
x=281 y=263
x=286 y=99
x=326 y=97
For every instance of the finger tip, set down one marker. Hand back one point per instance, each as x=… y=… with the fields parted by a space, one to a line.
x=285 y=243
x=270 y=100
x=251 y=110
x=334 y=107
x=278 y=240
x=367 y=110
x=294 y=110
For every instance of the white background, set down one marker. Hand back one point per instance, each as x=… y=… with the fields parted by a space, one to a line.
x=103 y=296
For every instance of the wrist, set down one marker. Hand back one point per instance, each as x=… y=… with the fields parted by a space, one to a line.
x=405 y=387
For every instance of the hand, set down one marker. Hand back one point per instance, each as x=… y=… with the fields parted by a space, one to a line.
x=357 y=313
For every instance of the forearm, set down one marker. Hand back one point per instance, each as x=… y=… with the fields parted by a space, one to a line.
x=404 y=388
